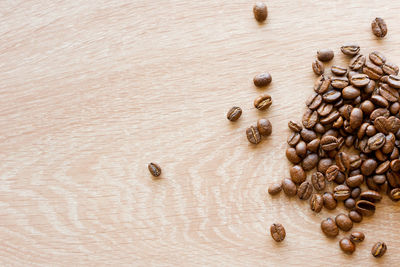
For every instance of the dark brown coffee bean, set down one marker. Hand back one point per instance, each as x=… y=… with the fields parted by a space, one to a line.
x=379 y=101
x=333 y=116
x=297 y=174
x=310 y=161
x=366 y=208
x=345 y=111
x=383 y=167
x=357 y=237
x=379 y=112
x=343 y=161
x=393 y=124
x=395 y=165
x=359 y=80
x=390 y=68
x=313 y=145
x=305 y=190
x=264 y=127
x=354 y=181
x=301 y=149
x=316 y=203
x=355 y=193
x=343 y=222
x=373 y=71
x=370 y=131
x=389 y=144
x=379 y=249
x=368 y=167
x=322 y=84
x=357 y=62
x=263 y=102
x=332 y=173
x=339 y=103
x=367 y=107
x=395 y=194
x=339 y=82
x=275 y=188
x=347 y=245
x=324 y=164
x=278 y=232
x=370 y=87
x=355 y=162
x=325 y=54
x=338 y=70
x=314 y=101
x=379 y=27
x=394 y=81
x=350 y=92
x=394 y=108
x=310 y=118
x=318 y=181
x=262 y=79
x=395 y=153
x=331 y=96
x=260 y=12
x=377 y=58
x=377 y=141
x=354 y=172
x=319 y=128
x=362 y=130
x=371 y=185
x=350 y=203
x=389 y=93
x=253 y=135
x=318 y=67
x=330 y=202
x=341 y=192
x=329 y=227
x=289 y=188
x=293 y=139
x=295 y=126
x=329 y=143
x=308 y=135
x=379 y=179
x=355 y=216
x=154 y=169
x=292 y=156
x=350 y=49
x=340 y=178
x=380 y=156
x=371 y=196
x=234 y=114
x=356 y=118
x=338 y=123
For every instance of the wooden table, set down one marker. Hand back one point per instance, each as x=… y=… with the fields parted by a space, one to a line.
x=92 y=91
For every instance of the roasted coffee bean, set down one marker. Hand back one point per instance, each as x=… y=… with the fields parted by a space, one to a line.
x=371 y=185
x=308 y=135
x=380 y=124
x=337 y=124
x=316 y=203
x=318 y=67
x=234 y=114
x=395 y=153
x=380 y=156
x=263 y=102
x=332 y=173
x=253 y=135
x=339 y=82
x=354 y=172
x=264 y=127
x=313 y=145
x=334 y=115
x=275 y=188
x=383 y=167
x=322 y=84
x=357 y=237
x=356 y=118
x=350 y=92
x=293 y=139
x=379 y=112
x=357 y=62
x=347 y=245
x=345 y=111
x=289 y=188
x=310 y=118
x=278 y=232
x=310 y=161
x=350 y=203
x=380 y=101
x=362 y=130
x=389 y=144
x=379 y=27
x=373 y=71
x=379 y=179
x=325 y=54
x=343 y=161
x=341 y=192
x=260 y=11
x=355 y=193
x=305 y=190
x=324 y=164
x=393 y=124
x=292 y=156
x=354 y=181
x=368 y=167
x=390 y=94
x=365 y=207
x=339 y=103
x=371 y=196
x=154 y=169
x=359 y=80
x=394 y=81
x=262 y=79
x=331 y=96
x=329 y=227
x=319 y=128
x=349 y=141
x=350 y=49
x=330 y=202
x=377 y=58
x=301 y=149
x=338 y=70
x=379 y=249
x=297 y=174
x=343 y=222
x=329 y=143
x=367 y=107
x=395 y=194
x=370 y=131
x=355 y=216
x=340 y=178
x=318 y=181
x=377 y=141
x=395 y=165
x=295 y=126
x=314 y=101
x=390 y=68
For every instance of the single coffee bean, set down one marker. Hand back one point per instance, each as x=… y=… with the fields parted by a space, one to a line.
x=350 y=203
x=263 y=102
x=391 y=95
x=379 y=112
x=318 y=181
x=319 y=128
x=370 y=87
x=359 y=80
x=370 y=131
x=333 y=116
x=264 y=127
x=388 y=147
x=297 y=174
x=379 y=27
x=394 y=81
x=356 y=118
x=380 y=101
x=367 y=107
x=329 y=143
x=390 y=68
x=339 y=103
x=349 y=141
x=253 y=135
x=365 y=207
x=154 y=169
x=373 y=71
x=371 y=196
x=295 y=126
x=339 y=82
x=379 y=179
x=330 y=202
x=340 y=178
x=395 y=165
x=275 y=189
x=355 y=216
x=278 y=232
x=337 y=124
x=292 y=156
x=380 y=155
x=316 y=203
x=347 y=245
x=301 y=149
x=234 y=114
x=350 y=49
x=260 y=11
x=395 y=194
x=322 y=84
x=324 y=164
x=325 y=54
x=350 y=92
x=354 y=181
x=343 y=222
x=371 y=185
x=377 y=141
x=357 y=237
x=338 y=70
x=379 y=249
x=341 y=192
x=395 y=153
x=345 y=111
x=318 y=67
x=314 y=101
x=357 y=62
x=368 y=167
x=289 y=188
x=354 y=172
x=355 y=192
x=377 y=58
x=343 y=161
x=329 y=227
x=314 y=145
x=293 y=139
x=310 y=118
x=310 y=161
x=332 y=173
x=308 y=135
x=262 y=79
x=393 y=124
x=383 y=167
x=331 y=96
x=305 y=190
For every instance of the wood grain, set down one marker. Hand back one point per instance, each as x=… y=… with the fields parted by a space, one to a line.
x=91 y=91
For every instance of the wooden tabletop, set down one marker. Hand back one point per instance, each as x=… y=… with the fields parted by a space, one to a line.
x=92 y=91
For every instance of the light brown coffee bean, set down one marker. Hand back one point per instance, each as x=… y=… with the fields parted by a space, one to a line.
x=289 y=188
x=308 y=135
x=305 y=190
x=275 y=188
x=332 y=173
x=234 y=113
x=359 y=80
x=329 y=227
x=278 y=232
x=325 y=109
x=318 y=181
x=292 y=156
x=325 y=54
x=295 y=126
x=301 y=149
x=341 y=192
x=262 y=79
x=350 y=92
x=339 y=82
x=394 y=81
x=357 y=237
x=364 y=207
x=318 y=67
x=253 y=135
x=310 y=118
x=316 y=203
x=154 y=169
x=329 y=143
x=338 y=70
x=263 y=102
x=324 y=164
x=350 y=49
x=264 y=126
x=355 y=216
x=377 y=58
x=322 y=84
x=347 y=245
x=390 y=68
x=310 y=161
x=377 y=141
x=297 y=174
x=313 y=145
x=379 y=27
x=357 y=62
x=343 y=222
x=330 y=202
x=373 y=71
x=314 y=101
x=390 y=94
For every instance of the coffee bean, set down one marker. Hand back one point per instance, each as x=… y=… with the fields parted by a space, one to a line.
x=264 y=126
x=338 y=70
x=371 y=196
x=253 y=135
x=354 y=181
x=377 y=58
x=324 y=164
x=341 y=192
x=373 y=71
x=329 y=228
x=263 y=102
x=154 y=169
x=325 y=54
x=390 y=68
x=367 y=107
x=318 y=181
x=278 y=232
x=289 y=188
x=343 y=161
x=310 y=161
x=395 y=165
x=322 y=84
x=394 y=81
x=377 y=141
x=314 y=145
x=305 y=190
x=383 y=167
x=260 y=12
x=356 y=118
x=394 y=107
x=337 y=124
x=340 y=178
x=355 y=192
x=318 y=67
x=310 y=118
x=368 y=167
x=389 y=144
x=347 y=245
x=316 y=203
x=330 y=202
x=262 y=79
x=301 y=149
x=379 y=112
x=395 y=194
x=364 y=207
x=314 y=101
x=370 y=131
x=349 y=140
x=308 y=135
x=379 y=27
x=292 y=156
x=357 y=62
x=329 y=143
x=334 y=115
x=350 y=92
x=371 y=185
x=355 y=216
x=343 y=222
x=359 y=80
x=332 y=173
x=234 y=114
x=390 y=94
x=275 y=189
x=350 y=203
x=357 y=237
x=297 y=174
x=379 y=101
x=379 y=249
x=350 y=49
x=319 y=128
x=379 y=179
x=331 y=96
x=339 y=82
x=295 y=126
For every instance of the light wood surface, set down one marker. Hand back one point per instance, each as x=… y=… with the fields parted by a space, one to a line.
x=92 y=91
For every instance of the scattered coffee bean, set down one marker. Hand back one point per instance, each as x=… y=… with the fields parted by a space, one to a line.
x=316 y=202
x=264 y=126
x=289 y=188
x=365 y=207
x=275 y=189
x=278 y=232
x=329 y=227
x=341 y=192
x=295 y=126
x=344 y=222
x=263 y=102
x=154 y=169
x=318 y=67
x=292 y=156
x=377 y=58
x=338 y=70
x=262 y=79
x=379 y=249
x=357 y=62
x=357 y=237
x=297 y=174
x=359 y=80
x=347 y=245
x=379 y=28
x=253 y=135
x=325 y=55
x=330 y=202
x=234 y=114
x=305 y=190
x=260 y=12
x=350 y=49
x=318 y=181
x=310 y=161
x=355 y=216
